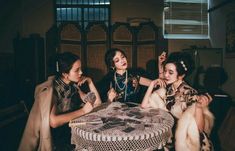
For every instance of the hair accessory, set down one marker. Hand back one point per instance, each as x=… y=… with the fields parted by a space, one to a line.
x=184 y=66
x=112 y=68
x=57 y=66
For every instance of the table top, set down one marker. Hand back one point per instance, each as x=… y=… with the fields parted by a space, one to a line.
x=119 y=127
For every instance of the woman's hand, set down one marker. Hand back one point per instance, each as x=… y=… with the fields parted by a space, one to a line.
x=135 y=83
x=158 y=83
x=111 y=94
x=154 y=84
x=162 y=58
x=203 y=100
x=87 y=108
x=84 y=79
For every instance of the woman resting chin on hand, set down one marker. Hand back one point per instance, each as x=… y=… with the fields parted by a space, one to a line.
x=69 y=101
x=193 y=119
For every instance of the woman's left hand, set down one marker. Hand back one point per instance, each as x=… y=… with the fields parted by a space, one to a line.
x=135 y=83
x=162 y=58
x=111 y=95
x=83 y=79
x=203 y=100
x=158 y=83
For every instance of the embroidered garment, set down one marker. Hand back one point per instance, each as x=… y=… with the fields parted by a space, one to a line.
x=67 y=96
x=180 y=102
x=67 y=99
x=177 y=101
x=126 y=85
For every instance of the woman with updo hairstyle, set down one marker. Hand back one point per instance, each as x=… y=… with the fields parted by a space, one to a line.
x=69 y=100
x=58 y=101
x=121 y=83
x=193 y=121
x=183 y=61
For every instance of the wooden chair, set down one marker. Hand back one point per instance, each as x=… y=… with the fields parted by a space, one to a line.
x=12 y=113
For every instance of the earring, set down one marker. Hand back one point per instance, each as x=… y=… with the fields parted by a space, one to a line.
x=65 y=75
x=113 y=68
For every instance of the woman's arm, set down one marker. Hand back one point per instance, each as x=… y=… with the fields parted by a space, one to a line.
x=57 y=120
x=161 y=59
x=153 y=84
x=112 y=94
x=81 y=93
x=145 y=81
x=145 y=102
x=203 y=101
x=92 y=89
x=199 y=117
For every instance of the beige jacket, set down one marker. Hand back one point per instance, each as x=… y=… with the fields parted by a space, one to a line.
x=37 y=135
x=187 y=134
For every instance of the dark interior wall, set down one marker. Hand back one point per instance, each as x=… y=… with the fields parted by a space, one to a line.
x=124 y=9
x=218 y=27
x=29 y=16
x=23 y=17
x=37 y=17
x=10 y=23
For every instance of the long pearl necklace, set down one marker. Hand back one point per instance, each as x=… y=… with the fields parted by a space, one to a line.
x=124 y=86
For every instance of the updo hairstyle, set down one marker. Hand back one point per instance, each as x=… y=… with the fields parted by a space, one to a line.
x=64 y=62
x=183 y=61
x=109 y=55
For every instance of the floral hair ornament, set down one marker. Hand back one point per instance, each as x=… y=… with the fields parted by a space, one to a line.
x=184 y=66
x=57 y=66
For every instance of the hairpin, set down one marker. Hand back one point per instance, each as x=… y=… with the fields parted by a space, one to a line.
x=184 y=66
x=112 y=68
x=57 y=66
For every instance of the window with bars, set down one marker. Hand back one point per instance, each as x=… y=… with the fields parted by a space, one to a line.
x=82 y=11
x=186 y=19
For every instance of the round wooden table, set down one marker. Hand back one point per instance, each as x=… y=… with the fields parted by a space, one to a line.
x=119 y=127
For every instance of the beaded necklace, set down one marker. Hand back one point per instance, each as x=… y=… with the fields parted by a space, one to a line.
x=124 y=86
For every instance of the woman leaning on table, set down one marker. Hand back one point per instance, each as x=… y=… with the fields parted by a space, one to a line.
x=70 y=102
x=57 y=101
x=193 y=121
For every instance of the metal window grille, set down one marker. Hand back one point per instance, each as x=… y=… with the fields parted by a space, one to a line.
x=82 y=11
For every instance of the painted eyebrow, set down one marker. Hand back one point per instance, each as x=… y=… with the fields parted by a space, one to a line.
x=115 y=59
x=169 y=70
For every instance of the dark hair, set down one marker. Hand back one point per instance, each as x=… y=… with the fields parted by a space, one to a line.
x=64 y=62
x=183 y=61
x=215 y=77
x=109 y=55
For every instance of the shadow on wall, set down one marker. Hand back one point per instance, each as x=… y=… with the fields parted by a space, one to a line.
x=94 y=73
x=211 y=81
x=151 y=69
